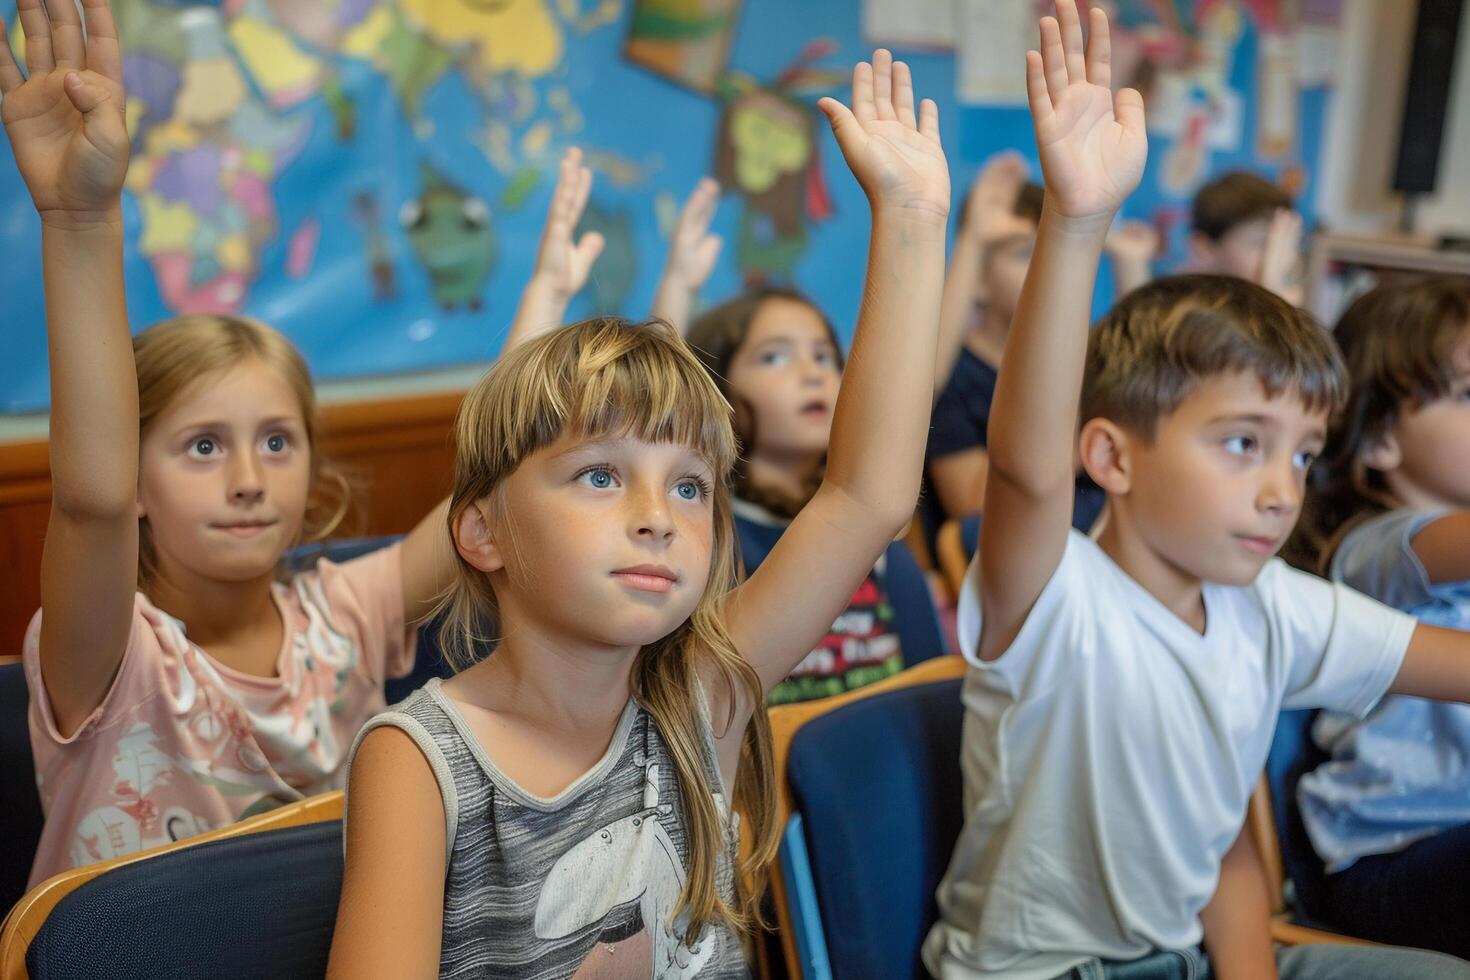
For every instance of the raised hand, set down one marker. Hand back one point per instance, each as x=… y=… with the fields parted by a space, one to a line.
x=562 y=266
x=1282 y=255
x=693 y=250
x=895 y=155
x=65 y=121
x=991 y=206
x=1092 y=144
x=1133 y=241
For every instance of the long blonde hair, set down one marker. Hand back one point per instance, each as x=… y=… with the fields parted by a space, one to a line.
x=608 y=376
x=174 y=355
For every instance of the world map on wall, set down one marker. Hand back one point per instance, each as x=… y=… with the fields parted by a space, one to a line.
x=210 y=94
x=371 y=176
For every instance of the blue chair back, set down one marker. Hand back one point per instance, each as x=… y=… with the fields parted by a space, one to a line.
x=261 y=905
x=877 y=784
x=1293 y=754
x=20 y=811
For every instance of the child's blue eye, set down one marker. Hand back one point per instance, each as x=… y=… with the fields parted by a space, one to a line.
x=599 y=478
x=275 y=443
x=203 y=448
x=689 y=490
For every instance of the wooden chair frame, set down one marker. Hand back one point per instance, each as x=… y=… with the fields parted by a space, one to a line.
x=953 y=561
x=30 y=913
x=786 y=720
x=1261 y=820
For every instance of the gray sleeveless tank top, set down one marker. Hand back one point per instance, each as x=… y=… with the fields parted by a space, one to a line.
x=583 y=884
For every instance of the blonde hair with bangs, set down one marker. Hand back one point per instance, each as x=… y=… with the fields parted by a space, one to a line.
x=611 y=377
x=174 y=355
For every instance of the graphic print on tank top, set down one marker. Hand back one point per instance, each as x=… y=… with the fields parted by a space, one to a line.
x=627 y=876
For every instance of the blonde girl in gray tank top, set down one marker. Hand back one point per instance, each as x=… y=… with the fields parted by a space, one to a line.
x=562 y=806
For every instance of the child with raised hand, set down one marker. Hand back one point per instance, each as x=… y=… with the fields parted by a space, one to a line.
x=1389 y=515
x=1246 y=226
x=777 y=361
x=565 y=804
x=1123 y=691
x=176 y=685
x=992 y=251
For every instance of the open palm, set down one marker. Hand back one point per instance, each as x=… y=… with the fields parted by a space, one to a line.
x=1092 y=146
x=895 y=155
x=65 y=121
x=563 y=262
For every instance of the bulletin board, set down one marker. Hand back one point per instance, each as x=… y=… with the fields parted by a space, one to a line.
x=370 y=176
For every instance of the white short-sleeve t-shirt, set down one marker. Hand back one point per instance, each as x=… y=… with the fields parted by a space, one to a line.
x=1110 y=753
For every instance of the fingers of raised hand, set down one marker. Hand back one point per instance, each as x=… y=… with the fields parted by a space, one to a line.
x=864 y=108
x=37 y=27
x=903 y=95
x=1072 y=46
x=103 y=54
x=883 y=84
x=1099 y=49
x=10 y=73
x=68 y=45
x=1053 y=59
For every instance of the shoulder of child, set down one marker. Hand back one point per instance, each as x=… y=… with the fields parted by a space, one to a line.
x=1077 y=585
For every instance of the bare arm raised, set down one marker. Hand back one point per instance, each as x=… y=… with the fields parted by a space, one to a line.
x=877 y=444
x=1092 y=156
x=64 y=118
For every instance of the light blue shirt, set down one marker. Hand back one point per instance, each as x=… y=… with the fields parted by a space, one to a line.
x=1403 y=773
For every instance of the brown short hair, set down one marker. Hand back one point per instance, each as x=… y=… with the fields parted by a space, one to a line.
x=1234 y=199
x=1162 y=339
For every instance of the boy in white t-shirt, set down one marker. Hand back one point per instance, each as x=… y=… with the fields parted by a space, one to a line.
x=1123 y=692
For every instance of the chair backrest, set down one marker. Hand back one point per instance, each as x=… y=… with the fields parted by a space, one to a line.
x=875 y=777
x=256 y=898
x=914 y=615
x=263 y=906
x=1293 y=754
x=20 y=811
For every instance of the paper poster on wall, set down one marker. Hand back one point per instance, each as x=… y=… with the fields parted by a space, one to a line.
x=686 y=41
x=766 y=150
x=1277 y=96
x=990 y=56
x=910 y=23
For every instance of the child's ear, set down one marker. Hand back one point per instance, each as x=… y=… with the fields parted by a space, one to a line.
x=1383 y=453
x=1104 y=451
x=473 y=540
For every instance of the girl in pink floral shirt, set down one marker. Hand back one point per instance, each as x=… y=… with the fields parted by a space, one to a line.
x=176 y=685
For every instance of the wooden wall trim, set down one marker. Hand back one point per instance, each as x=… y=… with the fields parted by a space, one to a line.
x=397 y=450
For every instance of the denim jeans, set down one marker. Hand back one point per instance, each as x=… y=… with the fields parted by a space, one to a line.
x=1324 y=962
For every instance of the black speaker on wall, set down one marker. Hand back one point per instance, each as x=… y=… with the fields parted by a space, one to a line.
x=1426 y=100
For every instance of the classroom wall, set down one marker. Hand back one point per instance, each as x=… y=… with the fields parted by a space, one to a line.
x=1361 y=138
x=278 y=203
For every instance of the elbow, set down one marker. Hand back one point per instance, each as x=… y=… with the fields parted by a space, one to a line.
x=93 y=505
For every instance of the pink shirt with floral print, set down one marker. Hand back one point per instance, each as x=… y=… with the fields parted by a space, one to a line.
x=183 y=744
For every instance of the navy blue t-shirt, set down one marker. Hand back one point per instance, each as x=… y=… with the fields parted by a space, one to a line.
x=961 y=417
